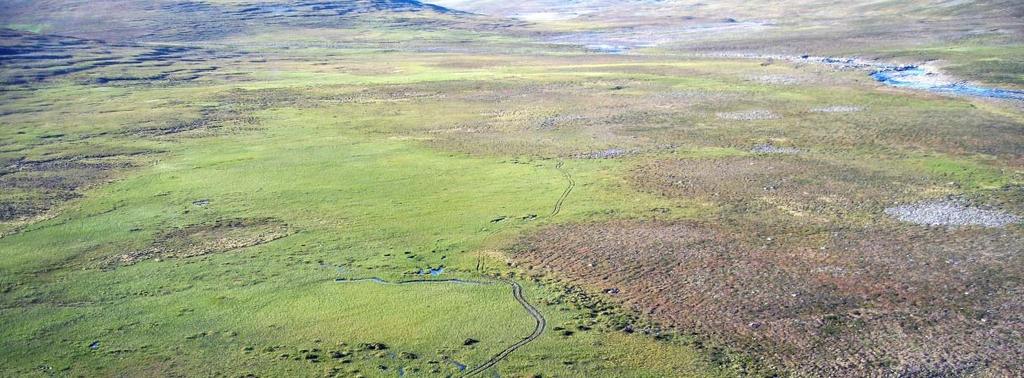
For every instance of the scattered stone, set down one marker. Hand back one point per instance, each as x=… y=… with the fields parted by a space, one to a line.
x=837 y=109
x=951 y=213
x=748 y=115
x=610 y=153
x=553 y=122
x=771 y=149
x=373 y=346
x=201 y=203
x=613 y=290
x=470 y=341
x=776 y=79
x=95 y=345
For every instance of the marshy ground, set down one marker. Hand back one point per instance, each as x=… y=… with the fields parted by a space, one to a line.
x=394 y=188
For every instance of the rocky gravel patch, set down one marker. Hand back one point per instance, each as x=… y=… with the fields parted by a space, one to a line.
x=837 y=109
x=610 y=153
x=951 y=213
x=771 y=149
x=748 y=115
x=776 y=79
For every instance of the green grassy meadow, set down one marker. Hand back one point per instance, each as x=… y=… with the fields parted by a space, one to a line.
x=387 y=146
x=361 y=205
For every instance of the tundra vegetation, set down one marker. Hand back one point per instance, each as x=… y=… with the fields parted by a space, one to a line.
x=534 y=188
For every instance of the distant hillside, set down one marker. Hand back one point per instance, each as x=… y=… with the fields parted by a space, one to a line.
x=778 y=10
x=166 y=20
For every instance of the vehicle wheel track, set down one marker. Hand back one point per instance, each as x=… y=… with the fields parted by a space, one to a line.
x=568 y=189
x=517 y=292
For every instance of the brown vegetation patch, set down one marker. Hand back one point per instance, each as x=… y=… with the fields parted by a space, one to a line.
x=790 y=182
x=841 y=302
x=209 y=121
x=203 y=239
x=29 y=188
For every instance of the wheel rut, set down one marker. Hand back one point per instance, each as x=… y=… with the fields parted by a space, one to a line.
x=517 y=292
x=538 y=329
x=568 y=189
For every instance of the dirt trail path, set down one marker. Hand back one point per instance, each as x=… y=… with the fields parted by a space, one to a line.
x=517 y=292
x=568 y=189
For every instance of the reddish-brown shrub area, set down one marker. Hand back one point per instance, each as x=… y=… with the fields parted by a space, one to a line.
x=797 y=183
x=842 y=302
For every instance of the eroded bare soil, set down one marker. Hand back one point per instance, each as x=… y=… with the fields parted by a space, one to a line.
x=207 y=238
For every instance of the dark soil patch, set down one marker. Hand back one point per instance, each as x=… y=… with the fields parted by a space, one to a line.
x=29 y=188
x=840 y=302
x=207 y=238
x=209 y=120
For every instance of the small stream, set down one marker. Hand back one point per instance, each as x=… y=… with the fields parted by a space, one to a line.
x=431 y=271
x=921 y=78
x=916 y=77
x=458 y=365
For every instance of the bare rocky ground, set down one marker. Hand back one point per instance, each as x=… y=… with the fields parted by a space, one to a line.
x=837 y=109
x=951 y=212
x=777 y=79
x=772 y=149
x=748 y=115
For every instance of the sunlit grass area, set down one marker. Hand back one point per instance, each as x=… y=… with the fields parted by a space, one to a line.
x=229 y=188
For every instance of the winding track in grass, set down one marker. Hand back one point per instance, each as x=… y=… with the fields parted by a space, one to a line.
x=568 y=189
x=517 y=292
